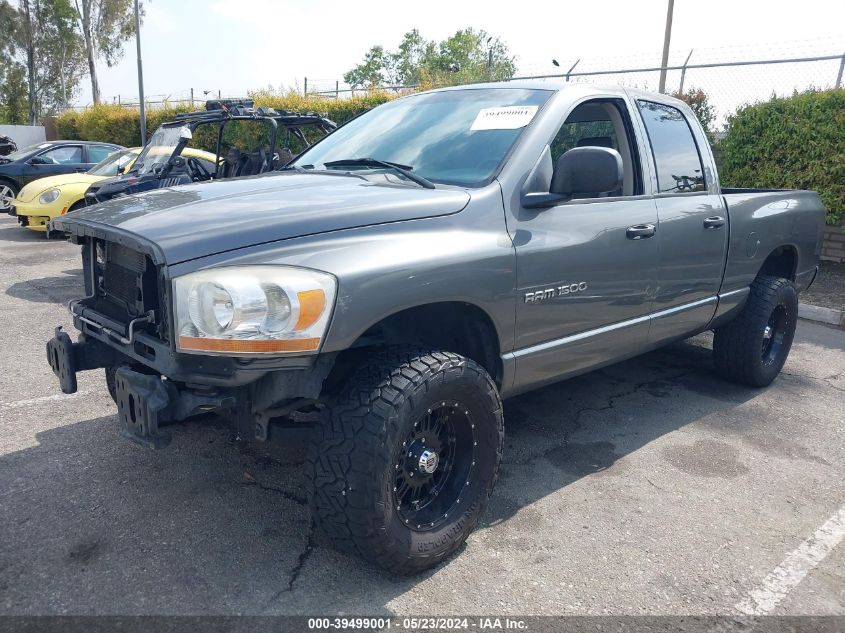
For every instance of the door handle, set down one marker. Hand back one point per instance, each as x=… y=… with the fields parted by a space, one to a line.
x=640 y=231
x=714 y=222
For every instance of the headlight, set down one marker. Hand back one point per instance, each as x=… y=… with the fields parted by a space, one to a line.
x=48 y=196
x=252 y=310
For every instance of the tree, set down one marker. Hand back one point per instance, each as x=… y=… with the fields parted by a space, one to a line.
x=39 y=49
x=371 y=72
x=105 y=25
x=12 y=85
x=14 y=108
x=699 y=103
x=466 y=57
x=413 y=53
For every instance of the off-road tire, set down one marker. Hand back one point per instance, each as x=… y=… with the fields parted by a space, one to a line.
x=112 y=370
x=355 y=452
x=739 y=347
x=110 y=382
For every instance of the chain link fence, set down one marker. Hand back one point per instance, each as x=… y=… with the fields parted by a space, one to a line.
x=730 y=77
x=728 y=85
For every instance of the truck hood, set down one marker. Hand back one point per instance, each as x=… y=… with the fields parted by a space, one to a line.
x=191 y=221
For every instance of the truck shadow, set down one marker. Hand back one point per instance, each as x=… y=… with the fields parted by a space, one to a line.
x=586 y=426
x=215 y=525
x=16 y=233
x=60 y=289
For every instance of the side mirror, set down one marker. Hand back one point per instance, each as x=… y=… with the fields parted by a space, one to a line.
x=580 y=170
x=587 y=170
x=38 y=160
x=177 y=161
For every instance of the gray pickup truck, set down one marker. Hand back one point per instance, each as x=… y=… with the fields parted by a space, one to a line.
x=399 y=278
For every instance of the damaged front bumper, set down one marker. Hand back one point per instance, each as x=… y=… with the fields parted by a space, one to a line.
x=144 y=401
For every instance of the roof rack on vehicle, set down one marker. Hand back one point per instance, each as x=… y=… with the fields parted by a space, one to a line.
x=229 y=104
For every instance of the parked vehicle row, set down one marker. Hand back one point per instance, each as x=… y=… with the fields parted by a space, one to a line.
x=51 y=158
x=47 y=198
x=47 y=180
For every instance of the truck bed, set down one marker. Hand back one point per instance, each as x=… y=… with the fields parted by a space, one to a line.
x=763 y=221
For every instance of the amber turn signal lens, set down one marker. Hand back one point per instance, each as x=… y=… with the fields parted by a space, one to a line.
x=311 y=306
x=235 y=346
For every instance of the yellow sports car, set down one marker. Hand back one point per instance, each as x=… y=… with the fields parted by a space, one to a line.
x=45 y=198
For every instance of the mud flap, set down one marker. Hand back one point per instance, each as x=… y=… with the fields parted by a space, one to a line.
x=142 y=405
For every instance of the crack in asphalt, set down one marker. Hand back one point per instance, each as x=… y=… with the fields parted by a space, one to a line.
x=287 y=494
x=611 y=404
x=297 y=568
x=825 y=379
x=304 y=555
x=307 y=550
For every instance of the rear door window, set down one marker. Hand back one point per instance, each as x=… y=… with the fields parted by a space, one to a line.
x=676 y=157
x=98 y=153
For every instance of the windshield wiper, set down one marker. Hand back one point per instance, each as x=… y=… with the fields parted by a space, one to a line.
x=405 y=170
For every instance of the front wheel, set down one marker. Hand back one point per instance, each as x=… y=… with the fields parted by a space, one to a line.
x=403 y=465
x=753 y=348
x=8 y=192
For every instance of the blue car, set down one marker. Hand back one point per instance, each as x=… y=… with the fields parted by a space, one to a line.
x=47 y=159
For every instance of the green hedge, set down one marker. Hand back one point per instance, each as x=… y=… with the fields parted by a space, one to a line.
x=796 y=142
x=117 y=124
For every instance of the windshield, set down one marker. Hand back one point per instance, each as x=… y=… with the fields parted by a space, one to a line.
x=159 y=149
x=21 y=153
x=457 y=137
x=112 y=162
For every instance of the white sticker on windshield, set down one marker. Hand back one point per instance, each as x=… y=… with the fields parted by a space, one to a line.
x=506 y=118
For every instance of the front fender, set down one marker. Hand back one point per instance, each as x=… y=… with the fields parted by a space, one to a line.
x=387 y=268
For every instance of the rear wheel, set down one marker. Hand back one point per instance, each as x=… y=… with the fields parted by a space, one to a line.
x=753 y=348
x=404 y=463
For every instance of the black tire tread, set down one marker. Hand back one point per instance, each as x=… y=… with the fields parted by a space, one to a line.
x=363 y=416
x=735 y=353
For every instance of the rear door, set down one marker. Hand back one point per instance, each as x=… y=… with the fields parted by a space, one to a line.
x=693 y=222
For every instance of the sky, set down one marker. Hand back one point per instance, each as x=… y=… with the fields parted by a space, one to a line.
x=233 y=47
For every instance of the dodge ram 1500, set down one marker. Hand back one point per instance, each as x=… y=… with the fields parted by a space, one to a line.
x=398 y=279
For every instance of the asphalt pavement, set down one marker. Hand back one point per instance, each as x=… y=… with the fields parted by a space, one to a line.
x=649 y=487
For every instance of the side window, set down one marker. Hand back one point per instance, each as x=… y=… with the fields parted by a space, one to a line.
x=582 y=133
x=63 y=155
x=602 y=123
x=97 y=153
x=676 y=156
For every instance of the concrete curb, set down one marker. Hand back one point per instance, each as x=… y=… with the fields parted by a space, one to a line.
x=830 y=316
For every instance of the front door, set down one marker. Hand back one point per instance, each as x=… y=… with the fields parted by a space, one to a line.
x=64 y=159
x=586 y=269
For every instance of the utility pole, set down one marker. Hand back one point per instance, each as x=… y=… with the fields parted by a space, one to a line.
x=140 y=76
x=489 y=58
x=666 y=37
